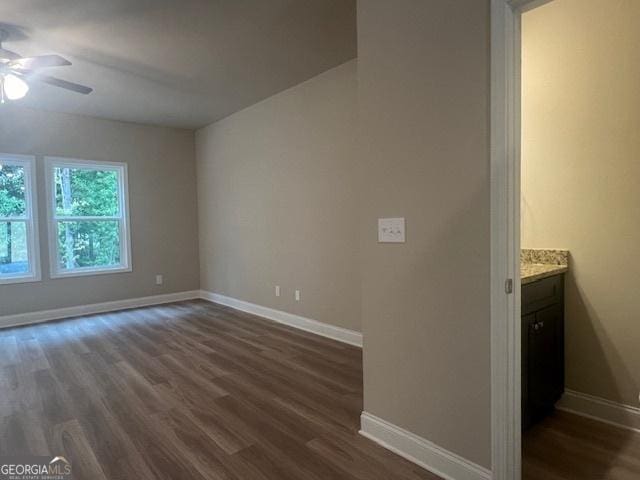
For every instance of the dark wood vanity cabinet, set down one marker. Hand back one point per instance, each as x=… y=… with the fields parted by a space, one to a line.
x=542 y=347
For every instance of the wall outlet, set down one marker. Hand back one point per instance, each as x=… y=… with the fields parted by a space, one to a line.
x=297 y=295
x=277 y=290
x=391 y=230
x=159 y=279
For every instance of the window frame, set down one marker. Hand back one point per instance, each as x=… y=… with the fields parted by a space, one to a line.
x=28 y=162
x=53 y=219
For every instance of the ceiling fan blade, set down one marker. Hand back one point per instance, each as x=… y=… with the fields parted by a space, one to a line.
x=57 y=82
x=41 y=61
x=8 y=54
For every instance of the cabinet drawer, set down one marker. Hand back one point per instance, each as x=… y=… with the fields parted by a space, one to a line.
x=542 y=293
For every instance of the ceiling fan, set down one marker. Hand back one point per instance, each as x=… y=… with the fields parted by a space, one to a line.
x=17 y=72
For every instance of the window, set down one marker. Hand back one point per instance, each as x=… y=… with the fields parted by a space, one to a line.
x=88 y=217
x=19 y=254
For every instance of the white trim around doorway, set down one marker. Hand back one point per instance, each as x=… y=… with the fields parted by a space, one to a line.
x=506 y=439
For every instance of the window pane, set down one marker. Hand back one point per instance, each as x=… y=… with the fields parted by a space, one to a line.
x=12 y=191
x=86 y=192
x=14 y=256
x=86 y=244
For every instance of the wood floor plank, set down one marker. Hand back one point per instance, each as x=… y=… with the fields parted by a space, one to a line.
x=34 y=428
x=14 y=439
x=69 y=439
x=19 y=390
x=130 y=380
x=154 y=447
x=113 y=447
x=31 y=356
x=194 y=444
x=96 y=337
x=8 y=350
x=226 y=432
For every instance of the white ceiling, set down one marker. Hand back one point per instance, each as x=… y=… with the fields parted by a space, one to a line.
x=183 y=63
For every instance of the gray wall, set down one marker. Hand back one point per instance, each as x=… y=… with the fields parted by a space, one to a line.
x=162 y=205
x=424 y=103
x=278 y=203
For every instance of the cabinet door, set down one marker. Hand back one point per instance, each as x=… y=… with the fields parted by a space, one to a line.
x=545 y=348
x=527 y=327
x=552 y=319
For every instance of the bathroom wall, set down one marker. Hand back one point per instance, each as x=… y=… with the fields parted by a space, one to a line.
x=581 y=179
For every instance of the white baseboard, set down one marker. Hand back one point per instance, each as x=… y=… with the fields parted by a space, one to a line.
x=308 y=325
x=337 y=333
x=420 y=451
x=60 y=313
x=616 y=414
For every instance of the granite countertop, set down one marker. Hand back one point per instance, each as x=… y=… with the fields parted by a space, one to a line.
x=536 y=264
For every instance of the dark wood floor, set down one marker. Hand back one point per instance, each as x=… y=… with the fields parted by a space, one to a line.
x=569 y=447
x=188 y=391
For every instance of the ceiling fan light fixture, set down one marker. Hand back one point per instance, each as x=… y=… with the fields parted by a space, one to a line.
x=14 y=68
x=14 y=87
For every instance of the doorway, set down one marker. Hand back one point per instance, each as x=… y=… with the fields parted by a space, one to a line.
x=508 y=305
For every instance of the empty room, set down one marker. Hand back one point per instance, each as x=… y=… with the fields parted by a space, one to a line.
x=280 y=240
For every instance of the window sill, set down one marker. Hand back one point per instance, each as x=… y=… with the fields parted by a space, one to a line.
x=14 y=280
x=91 y=272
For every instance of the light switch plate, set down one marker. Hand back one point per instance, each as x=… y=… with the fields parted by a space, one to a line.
x=391 y=230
